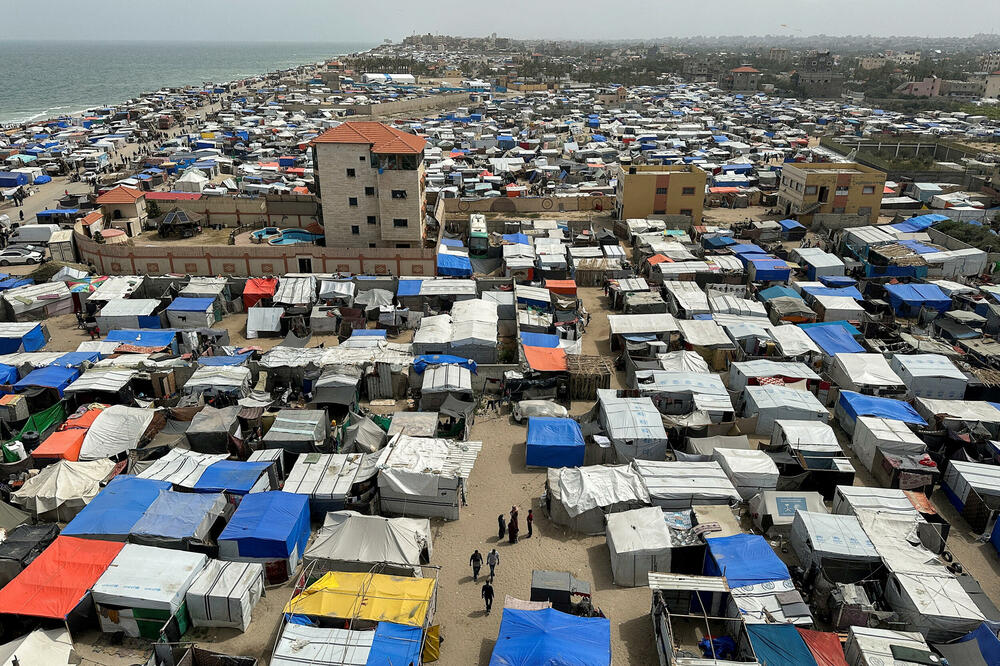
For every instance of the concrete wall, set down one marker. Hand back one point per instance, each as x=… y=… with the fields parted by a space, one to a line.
x=249 y=260
x=286 y=210
x=941 y=238
x=490 y=371
x=547 y=205
x=833 y=222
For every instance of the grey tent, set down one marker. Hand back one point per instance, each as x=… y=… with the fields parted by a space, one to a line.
x=299 y=431
x=362 y=435
x=211 y=429
x=11 y=517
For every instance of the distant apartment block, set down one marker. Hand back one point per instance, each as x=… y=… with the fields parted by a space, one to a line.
x=839 y=189
x=930 y=86
x=990 y=62
x=660 y=190
x=816 y=75
x=370 y=179
x=778 y=55
x=742 y=79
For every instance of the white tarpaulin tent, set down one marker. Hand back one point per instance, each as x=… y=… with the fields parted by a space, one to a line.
x=263 y=320
x=793 y=341
x=181 y=467
x=580 y=497
x=930 y=376
x=639 y=542
x=52 y=647
x=350 y=541
x=771 y=403
x=832 y=541
x=808 y=437
x=773 y=511
x=219 y=380
x=101 y=380
x=936 y=606
x=681 y=485
x=851 y=500
x=864 y=373
x=873 y=647
x=893 y=437
x=328 y=478
x=116 y=430
x=425 y=476
x=225 y=593
x=633 y=425
x=61 y=490
x=962 y=478
x=751 y=471
x=741 y=372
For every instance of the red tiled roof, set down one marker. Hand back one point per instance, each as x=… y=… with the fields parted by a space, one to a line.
x=745 y=70
x=90 y=218
x=382 y=138
x=173 y=196
x=120 y=195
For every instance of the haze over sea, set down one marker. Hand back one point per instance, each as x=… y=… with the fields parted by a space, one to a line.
x=44 y=79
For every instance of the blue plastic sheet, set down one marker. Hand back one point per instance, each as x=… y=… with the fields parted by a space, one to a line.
x=117 y=508
x=421 y=363
x=175 y=515
x=744 y=559
x=554 y=442
x=395 y=644
x=76 y=359
x=185 y=304
x=539 y=340
x=236 y=359
x=273 y=524
x=409 y=287
x=858 y=404
x=51 y=376
x=453 y=265
x=779 y=645
x=909 y=298
x=778 y=291
x=849 y=292
x=552 y=638
x=33 y=340
x=833 y=340
x=989 y=644
x=518 y=239
x=231 y=476
x=143 y=337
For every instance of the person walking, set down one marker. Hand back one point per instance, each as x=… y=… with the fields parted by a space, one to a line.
x=513 y=515
x=487 y=594
x=20 y=215
x=512 y=532
x=477 y=563
x=501 y=527
x=493 y=559
x=529 y=520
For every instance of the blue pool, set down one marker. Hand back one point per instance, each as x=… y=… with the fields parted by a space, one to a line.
x=275 y=236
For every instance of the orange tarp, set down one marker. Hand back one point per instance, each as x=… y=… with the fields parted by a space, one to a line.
x=64 y=444
x=258 y=288
x=55 y=582
x=544 y=359
x=659 y=259
x=564 y=287
x=84 y=420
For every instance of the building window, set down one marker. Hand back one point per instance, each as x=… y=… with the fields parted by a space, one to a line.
x=842 y=191
x=400 y=222
x=371 y=219
x=687 y=191
x=355 y=230
x=352 y=201
x=810 y=189
x=661 y=190
x=838 y=210
x=659 y=212
x=361 y=158
x=399 y=194
x=350 y=173
x=687 y=211
x=371 y=244
x=868 y=189
x=402 y=246
x=369 y=191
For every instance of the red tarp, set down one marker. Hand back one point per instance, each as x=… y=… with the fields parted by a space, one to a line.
x=544 y=359
x=62 y=444
x=55 y=582
x=659 y=259
x=258 y=288
x=84 y=420
x=824 y=646
x=564 y=287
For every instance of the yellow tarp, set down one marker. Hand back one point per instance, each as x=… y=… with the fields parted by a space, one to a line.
x=365 y=596
x=432 y=646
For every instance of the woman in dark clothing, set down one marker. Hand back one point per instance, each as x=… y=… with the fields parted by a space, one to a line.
x=501 y=527
x=512 y=532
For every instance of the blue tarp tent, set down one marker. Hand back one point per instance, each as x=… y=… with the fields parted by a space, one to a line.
x=907 y=299
x=175 y=515
x=188 y=304
x=716 y=242
x=849 y=292
x=858 y=404
x=143 y=337
x=231 y=476
x=989 y=644
x=778 y=291
x=76 y=359
x=408 y=287
x=8 y=374
x=846 y=325
x=837 y=281
x=453 y=265
x=554 y=442
x=517 y=239
x=918 y=247
x=919 y=223
x=18 y=337
x=551 y=638
x=116 y=509
x=789 y=225
x=746 y=248
x=779 y=645
x=236 y=359
x=744 y=559
x=13 y=282
x=421 y=363
x=269 y=525
x=394 y=644
x=51 y=376
x=833 y=339
x=540 y=340
x=765 y=269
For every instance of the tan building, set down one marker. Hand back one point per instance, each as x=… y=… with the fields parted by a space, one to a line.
x=660 y=190
x=839 y=189
x=991 y=86
x=123 y=208
x=370 y=180
x=744 y=78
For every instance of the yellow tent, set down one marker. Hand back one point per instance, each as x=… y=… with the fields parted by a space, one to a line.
x=374 y=597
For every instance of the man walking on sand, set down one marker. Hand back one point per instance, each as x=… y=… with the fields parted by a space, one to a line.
x=477 y=563
x=529 y=519
x=488 y=595
x=493 y=559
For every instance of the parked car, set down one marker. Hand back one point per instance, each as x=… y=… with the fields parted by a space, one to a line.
x=18 y=255
x=527 y=408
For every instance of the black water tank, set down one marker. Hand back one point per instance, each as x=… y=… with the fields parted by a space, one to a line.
x=30 y=440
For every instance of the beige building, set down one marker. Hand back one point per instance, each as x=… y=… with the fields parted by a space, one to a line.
x=660 y=190
x=370 y=180
x=123 y=208
x=839 y=189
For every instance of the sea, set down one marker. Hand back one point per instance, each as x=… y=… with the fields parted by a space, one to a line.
x=45 y=79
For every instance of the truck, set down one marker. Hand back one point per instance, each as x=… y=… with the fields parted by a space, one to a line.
x=479 y=239
x=33 y=234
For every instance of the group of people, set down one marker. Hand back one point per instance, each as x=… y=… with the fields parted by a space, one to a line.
x=493 y=557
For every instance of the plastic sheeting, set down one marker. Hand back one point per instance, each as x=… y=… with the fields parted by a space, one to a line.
x=115 y=511
x=551 y=638
x=367 y=596
x=639 y=542
x=350 y=541
x=174 y=517
x=751 y=471
x=856 y=404
x=48 y=377
x=554 y=442
x=63 y=488
x=744 y=559
x=272 y=525
x=824 y=646
x=53 y=647
x=231 y=476
x=817 y=537
x=388 y=645
x=833 y=339
x=421 y=363
x=148 y=578
x=857 y=371
x=225 y=593
x=116 y=430
x=779 y=645
x=586 y=488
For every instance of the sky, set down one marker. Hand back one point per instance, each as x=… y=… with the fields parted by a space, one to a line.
x=338 y=21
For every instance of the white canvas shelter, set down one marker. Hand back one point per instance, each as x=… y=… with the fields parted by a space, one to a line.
x=793 y=342
x=61 y=490
x=864 y=373
x=350 y=541
x=340 y=291
x=116 y=287
x=681 y=485
x=639 y=542
x=686 y=299
x=633 y=425
x=773 y=511
x=725 y=304
x=823 y=539
x=838 y=308
x=683 y=361
x=328 y=478
x=772 y=403
x=936 y=606
x=751 y=471
x=704 y=333
x=116 y=429
x=101 y=380
x=295 y=291
x=581 y=497
x=52 y=647
x=316 y=646
x=808 y=437
x=440 y=381
x=951 y=413
x=963 y=478
x=741 y=371
x=873 y=647
x=930 y=376
x=761 y=604
x=852 y=500
x=893 y=437
x=181 y=467
x=212 y=380
x=263 y=320
x=125 y=313
x=424 y=476
x=39 y=301
x=683 y=392
x=224 y=594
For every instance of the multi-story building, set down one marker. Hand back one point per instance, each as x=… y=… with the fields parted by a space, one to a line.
x=778 y=55
x=930 y=86
x=817 y=76
x=868 y=63
x=660 y=190
x=990 y=62
x=839 y=189
x=743 y=79
x=991 y=86
x=370 y=179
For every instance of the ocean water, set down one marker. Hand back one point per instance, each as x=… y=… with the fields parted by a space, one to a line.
x=43 y=79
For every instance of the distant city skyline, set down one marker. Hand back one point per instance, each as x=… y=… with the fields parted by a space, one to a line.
x=319 y=21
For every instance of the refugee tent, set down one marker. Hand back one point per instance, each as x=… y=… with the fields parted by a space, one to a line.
x=835 y=544
x=179 y=520
x=824 y=645
x=633 y=425
x=257 y=289
x=180 y=467
x=873 y=647
x=298 y=431
x=11 y=517
x=22 y=545
x=700 y=449
x=811 y=438
x=52 y=647
x=581 y=497
x=334 y=481
x=675 y=485
x=60 y=445
x=978 y=481
x=773 y=511
x=930 y=376
x=779 y=645
x=211 y=381
x=338 y=385
x=851 y=405
x=271 y=528
x=639 y=542
x=60 y=491
x=865 y=373
x=143 y=589
x=59 y=579
x=908 y=299
x=368 y=597
x=744 y=559
x=772 y=403
x=389 y=644
x=51 y=376
x=113 y=514
x=554 y=442
x=350 y=541
x=833 y=339
x=936 y=606
x=424 y=476
x=295 y=291
x=234 y=478
x=982 y=639
x=263 y=320
x=189 y=313
x=852 y=500
x=224 y=594
x=837 y=308
x=129 y=313
x=751 y=471
x=549 y=636
x=892 y=437
x=740 y=373
x=22 y=337
x=116 y=430
x=337 y=292
x=441 y=381
x=212 y=429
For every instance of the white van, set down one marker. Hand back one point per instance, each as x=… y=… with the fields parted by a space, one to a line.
x=33 y=234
